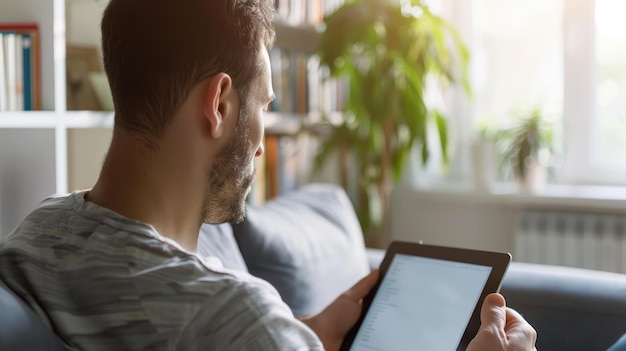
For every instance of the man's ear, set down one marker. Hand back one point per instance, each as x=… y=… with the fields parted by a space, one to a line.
x=219 y=103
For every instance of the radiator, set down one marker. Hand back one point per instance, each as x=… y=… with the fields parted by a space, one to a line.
x=586 y=240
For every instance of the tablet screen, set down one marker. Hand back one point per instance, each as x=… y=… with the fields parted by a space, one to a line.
x=416 y=294
x=427 y=298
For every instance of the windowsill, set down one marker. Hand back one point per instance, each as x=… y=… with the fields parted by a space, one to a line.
x=576 y=197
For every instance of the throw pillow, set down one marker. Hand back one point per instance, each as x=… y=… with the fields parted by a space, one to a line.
x=307 y=243
x=217 y=240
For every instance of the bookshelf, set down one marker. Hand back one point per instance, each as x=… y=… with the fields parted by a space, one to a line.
x=56 y=150
x=302 y=37
x=306 y=97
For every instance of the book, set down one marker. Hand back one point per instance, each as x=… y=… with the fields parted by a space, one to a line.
x=305 y=92
x=288 y=154
x=301 y=86
x=271 y=164
x=21 y=75
x=27 y=74
x=4 y=103
x=10 y=69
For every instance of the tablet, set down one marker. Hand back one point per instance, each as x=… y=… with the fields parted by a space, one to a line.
x=427 y=298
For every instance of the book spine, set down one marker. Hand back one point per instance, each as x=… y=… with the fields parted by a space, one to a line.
x=288 y=164
x=4 y=103
x=19 y=73
x=272 y=166
x=36 y=69
x=282 y=7
x=21 y=76
x=27 y=65
x=11 y=70
x=301 y=84
x=314 y=86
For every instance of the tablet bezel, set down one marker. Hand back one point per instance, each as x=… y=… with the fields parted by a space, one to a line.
x=498 y=261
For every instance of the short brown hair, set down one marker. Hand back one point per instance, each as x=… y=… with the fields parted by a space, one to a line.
x=156 y=51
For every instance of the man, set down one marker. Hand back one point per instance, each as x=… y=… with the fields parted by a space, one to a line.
x=114 y=267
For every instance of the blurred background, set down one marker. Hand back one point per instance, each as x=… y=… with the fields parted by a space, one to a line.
x=518 y=142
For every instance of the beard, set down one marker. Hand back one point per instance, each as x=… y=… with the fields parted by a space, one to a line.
x=230 y=178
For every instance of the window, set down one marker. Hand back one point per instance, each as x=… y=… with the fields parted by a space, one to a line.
x=609 y=129
x=517 y=58
x=567 y=57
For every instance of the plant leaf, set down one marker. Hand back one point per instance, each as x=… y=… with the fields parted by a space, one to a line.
x=442 y=128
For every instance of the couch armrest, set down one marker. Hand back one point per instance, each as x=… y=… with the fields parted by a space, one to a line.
x=571 y=308
x=307 y=243
x=21 y=328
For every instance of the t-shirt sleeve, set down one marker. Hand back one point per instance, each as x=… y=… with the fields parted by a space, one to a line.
x=252 y=318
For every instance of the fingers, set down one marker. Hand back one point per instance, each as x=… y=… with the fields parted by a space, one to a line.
x=360 y=289
x=502 y=328
x=513 y=317
x=519 y=330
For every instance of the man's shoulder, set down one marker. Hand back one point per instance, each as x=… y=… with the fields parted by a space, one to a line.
x=50 y=206
x=51 y=212
x=59 y=201
x=179 y=272
x=42 y=226
x=246 y=313
x=182 y=287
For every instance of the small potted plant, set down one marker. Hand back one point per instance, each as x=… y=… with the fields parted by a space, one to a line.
x=527 y=147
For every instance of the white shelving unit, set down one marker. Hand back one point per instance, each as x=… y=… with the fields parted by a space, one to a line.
x=55 y=150
x=45 y=152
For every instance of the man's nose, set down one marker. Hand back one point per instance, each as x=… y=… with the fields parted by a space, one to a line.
x=260 y=150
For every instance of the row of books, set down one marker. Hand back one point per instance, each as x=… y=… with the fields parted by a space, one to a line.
x=285 y=165
x=19 y=67
x=303 y=87
x=305 y=93
x=306 y=11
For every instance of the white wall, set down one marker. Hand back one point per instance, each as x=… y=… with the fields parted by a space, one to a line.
x=461 y=221
x=456 y=215
x=83 y=22
x=86 y=150
x=22 y=186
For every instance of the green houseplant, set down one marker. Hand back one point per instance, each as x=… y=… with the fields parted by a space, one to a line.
x=522 y=147
x=386 y=50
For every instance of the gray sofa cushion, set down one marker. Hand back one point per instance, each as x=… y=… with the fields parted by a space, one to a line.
x=20 y=328
x=571 y=308
x=620 y=345
x=217 y=240
x=307 y=243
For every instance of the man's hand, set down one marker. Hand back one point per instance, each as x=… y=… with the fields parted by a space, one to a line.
x=332 y=324
x=502 y=329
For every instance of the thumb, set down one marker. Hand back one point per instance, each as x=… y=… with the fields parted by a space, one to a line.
x=491 y=335
x=493 y=312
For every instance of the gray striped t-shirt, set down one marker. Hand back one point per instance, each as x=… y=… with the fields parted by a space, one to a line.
x=105 y=282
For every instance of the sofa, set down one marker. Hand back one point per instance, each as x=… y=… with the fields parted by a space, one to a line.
x=309 y=245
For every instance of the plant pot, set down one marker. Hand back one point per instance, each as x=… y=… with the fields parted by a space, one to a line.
x=535 y=177
x=483 y=165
